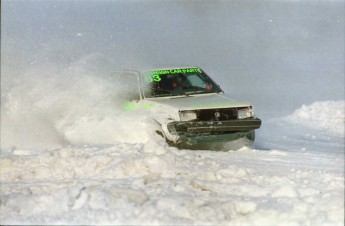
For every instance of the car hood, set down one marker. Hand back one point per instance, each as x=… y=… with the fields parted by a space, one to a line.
x=201 y=101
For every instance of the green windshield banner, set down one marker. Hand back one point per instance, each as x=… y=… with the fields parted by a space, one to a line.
x=176 y=71
x=154 y=76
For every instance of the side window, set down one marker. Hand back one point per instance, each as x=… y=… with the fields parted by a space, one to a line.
x=128 y=85
x=195 y=80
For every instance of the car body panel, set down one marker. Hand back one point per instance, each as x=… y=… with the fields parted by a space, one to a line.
x=199 y=101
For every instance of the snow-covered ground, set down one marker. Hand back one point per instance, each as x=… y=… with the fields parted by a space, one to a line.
x=151 y=183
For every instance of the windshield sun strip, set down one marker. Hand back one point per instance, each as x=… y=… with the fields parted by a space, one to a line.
x=156 y=79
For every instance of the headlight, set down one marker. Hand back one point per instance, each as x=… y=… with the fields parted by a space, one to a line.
x=245 y=113
x=187 y=115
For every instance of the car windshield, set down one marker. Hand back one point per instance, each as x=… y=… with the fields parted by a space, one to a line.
x=177 y=82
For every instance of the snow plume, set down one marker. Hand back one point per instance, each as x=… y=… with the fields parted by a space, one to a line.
x=50 y=106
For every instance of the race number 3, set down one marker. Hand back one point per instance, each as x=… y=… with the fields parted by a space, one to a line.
x=153 y=78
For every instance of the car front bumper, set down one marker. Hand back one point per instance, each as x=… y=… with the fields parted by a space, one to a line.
x=197 y=132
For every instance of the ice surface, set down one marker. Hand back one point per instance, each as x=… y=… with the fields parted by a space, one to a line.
x=71 y=154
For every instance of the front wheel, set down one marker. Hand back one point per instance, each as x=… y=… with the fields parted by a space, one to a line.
x=162 y=135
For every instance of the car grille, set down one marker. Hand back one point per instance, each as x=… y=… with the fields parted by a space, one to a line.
x=221 y=114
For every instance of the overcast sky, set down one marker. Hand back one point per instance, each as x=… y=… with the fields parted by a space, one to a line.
x=279 y=54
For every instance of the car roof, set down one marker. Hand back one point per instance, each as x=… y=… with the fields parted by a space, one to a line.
x=170 y=68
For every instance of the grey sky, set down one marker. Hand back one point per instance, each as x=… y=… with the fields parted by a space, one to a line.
x=274 y=53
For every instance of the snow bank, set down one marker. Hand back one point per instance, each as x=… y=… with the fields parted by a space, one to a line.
x=318 y=127
x=325 y=116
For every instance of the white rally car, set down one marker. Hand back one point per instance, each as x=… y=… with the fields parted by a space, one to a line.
x=190 y=110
